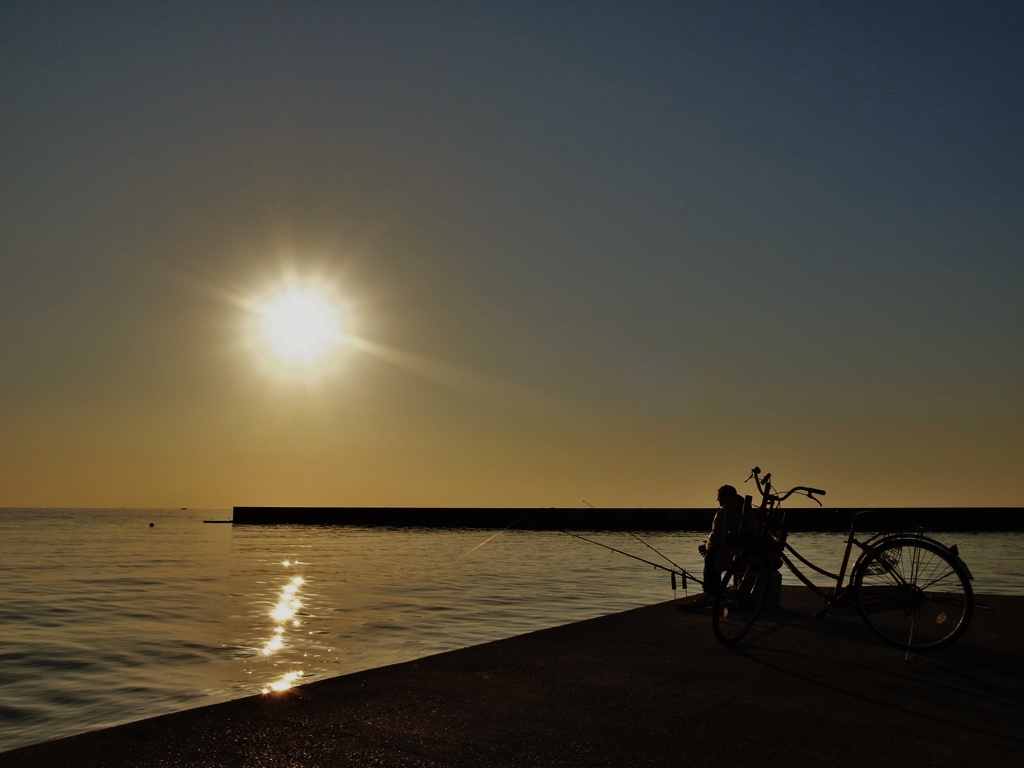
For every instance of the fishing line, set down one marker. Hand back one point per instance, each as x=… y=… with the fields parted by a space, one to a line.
x=474 y=549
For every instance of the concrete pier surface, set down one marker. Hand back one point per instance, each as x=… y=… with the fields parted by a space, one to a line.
x=645 y=687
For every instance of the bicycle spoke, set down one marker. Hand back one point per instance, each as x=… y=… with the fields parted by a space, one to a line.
x=936 y=563
x=946 y=575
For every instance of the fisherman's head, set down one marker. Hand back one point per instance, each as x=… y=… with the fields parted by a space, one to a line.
x=725 y=493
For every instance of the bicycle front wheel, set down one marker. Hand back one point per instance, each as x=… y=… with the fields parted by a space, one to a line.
x=740 y=598
x=914 y=594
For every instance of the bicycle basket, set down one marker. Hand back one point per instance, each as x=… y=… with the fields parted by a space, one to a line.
x=884 y=562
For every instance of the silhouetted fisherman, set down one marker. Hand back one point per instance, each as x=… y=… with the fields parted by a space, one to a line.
x=717 y=555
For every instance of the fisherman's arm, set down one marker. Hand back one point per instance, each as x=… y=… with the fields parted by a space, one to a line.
x=715 y=538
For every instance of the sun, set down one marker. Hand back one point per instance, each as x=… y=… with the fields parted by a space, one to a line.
x=300 y=326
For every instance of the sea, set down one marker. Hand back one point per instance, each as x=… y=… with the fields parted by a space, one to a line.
x=110 y=616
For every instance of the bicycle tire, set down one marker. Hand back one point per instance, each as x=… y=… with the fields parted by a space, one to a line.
x=914 y=594
x=740 y=598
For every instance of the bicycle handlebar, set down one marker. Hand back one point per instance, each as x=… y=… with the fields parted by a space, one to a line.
x=767 y=496
x=800 y=488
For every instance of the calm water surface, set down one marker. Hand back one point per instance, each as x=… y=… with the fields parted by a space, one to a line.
x=106 y=620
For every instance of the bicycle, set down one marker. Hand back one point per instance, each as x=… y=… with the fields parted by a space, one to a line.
x=912 y=591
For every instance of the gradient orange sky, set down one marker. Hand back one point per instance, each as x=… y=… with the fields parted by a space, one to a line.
x=616 y=253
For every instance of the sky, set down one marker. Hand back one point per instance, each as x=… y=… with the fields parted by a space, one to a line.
x=613 y=253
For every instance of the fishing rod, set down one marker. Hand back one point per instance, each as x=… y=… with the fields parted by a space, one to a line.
x=659 y=554
x=676 y=570
x=645 y=544
x=682 y=572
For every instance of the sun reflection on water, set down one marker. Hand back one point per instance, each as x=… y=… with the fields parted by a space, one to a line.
x=284 y=614
x=284 y=683
x=287 y=604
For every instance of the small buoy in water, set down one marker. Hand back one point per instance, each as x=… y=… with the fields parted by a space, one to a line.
x=150 y=525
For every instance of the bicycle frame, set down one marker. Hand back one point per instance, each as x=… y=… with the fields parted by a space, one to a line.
x=838 y=592
x=770 y=500
x=837 y=595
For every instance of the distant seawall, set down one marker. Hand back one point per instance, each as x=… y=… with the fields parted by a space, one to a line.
x=658 y=519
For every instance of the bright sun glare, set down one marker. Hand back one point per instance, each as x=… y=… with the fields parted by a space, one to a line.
x=300 y=326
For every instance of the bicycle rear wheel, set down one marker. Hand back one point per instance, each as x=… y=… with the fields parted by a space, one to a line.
x=740 y=598
x=914 y=594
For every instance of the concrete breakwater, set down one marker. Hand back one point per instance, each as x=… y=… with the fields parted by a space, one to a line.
x=657 y=519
